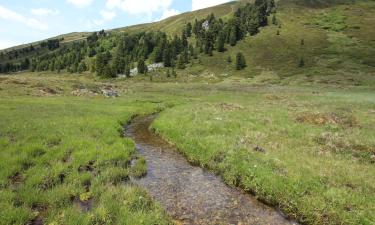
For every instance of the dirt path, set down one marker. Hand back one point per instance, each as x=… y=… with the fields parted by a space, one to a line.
x=190 y=194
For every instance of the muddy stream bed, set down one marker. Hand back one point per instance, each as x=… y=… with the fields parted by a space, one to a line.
x=189 y=194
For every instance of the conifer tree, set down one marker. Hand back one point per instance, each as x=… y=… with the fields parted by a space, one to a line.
x=119 y=59
x=233 y=36
x=181 y=62
x=127 y=70
x=188 y=29
x=168 y=73
x=240 y=61
x=220 y=42
x=142 y=68
x=301 y=63
x=167 y=57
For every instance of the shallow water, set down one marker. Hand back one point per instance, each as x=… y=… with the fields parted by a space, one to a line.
x=190 y=194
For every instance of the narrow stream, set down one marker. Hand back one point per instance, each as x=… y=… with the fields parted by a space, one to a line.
x=190 y=194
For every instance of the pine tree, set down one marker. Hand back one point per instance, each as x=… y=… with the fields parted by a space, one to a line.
x=174 y=73
x=82 y=67
x=127 y=70
x=109 y=72
x=188 y=29
x=158 y=54
x=181 y=62
x=220 y=42
x=301 y=63
x=185 y=42
x=240 y=61
x=253 y=27
x=186 y=56
x=100 y=63
x=119 y=59
x=142 y=68
x=196 y=28
x=233 y=36
x=167 y=57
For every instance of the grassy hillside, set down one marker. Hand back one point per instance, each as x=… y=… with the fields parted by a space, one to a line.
x=335 y=42
x=333 y=38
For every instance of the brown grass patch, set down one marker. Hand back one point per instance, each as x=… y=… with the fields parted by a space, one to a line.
x=344 y=119
x=229 y=107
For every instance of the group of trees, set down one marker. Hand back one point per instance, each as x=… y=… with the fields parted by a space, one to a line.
x=51 y=44
x=110 y=54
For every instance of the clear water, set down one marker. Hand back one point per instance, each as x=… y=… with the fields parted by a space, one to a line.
x=189 y=194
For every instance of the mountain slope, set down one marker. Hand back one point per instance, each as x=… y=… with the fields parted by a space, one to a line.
x=334 y=39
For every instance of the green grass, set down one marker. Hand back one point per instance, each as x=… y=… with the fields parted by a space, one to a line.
x=57 y=149
x=317 y=165
x=60 y=139
x=319 y=171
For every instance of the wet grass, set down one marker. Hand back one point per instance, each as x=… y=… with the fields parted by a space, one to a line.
x=308 y=150
x=312 y=155
x=63 y=159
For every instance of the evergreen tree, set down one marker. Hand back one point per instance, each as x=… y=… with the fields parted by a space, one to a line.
x=188 y=29
x=185 y=42
x=58 y=66
x=158 y=54
x=168 y=73
x=82 y=67
x=196 y=28
x=181 y=62
x=119 y=59
x=233 y=36
x=301 y=63
x=253 y=27
x=142 y=68
x=167 y=57
x=240 y=61
x=100 y=64
x=186 y=56
x=109 y=72
x=220 y=42
x=127 y=70
x=174 y=73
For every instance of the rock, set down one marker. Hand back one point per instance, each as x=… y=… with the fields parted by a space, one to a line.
x=259 y=149
x=206 y=25
x=83 y=92
x=155 y=66
x=110 y=93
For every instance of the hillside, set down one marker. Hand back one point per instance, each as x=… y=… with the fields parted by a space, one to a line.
x=259 y=113
x=335 y=44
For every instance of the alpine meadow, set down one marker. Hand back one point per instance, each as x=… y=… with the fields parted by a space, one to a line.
x=247 y=112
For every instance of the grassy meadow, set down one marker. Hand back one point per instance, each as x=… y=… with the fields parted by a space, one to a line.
x=64 y=155
x=299 y=138
x=312 y=155
x=308 y=151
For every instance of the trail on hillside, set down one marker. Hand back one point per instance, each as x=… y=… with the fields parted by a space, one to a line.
x=190 y=194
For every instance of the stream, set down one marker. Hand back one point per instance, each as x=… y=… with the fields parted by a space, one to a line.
x=189 y=194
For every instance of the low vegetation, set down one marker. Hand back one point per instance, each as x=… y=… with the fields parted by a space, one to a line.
x=276 y=101
x=64 y=161
x=311 y=155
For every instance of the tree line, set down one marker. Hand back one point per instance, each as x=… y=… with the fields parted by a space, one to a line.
x=110 y=54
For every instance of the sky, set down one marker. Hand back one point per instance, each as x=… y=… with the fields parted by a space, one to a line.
x=25 y=21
